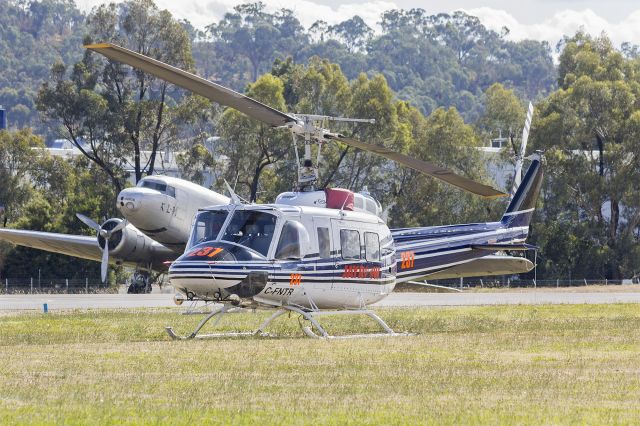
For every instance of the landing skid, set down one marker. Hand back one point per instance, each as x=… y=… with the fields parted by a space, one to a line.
x=307 y=329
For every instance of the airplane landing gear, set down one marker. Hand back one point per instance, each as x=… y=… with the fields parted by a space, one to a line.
x=140 y=283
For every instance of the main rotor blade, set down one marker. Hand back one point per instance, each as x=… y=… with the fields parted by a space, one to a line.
x=441 y=173
x=195 y=84
x=105 y=261
x=89 y=222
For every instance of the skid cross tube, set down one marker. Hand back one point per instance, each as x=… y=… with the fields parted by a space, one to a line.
x=306 y=329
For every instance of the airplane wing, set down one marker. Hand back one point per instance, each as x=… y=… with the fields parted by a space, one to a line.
x=73 y=245
x=485 y=266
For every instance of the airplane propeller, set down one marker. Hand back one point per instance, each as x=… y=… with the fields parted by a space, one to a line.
x=299 y=124
x=106 y=234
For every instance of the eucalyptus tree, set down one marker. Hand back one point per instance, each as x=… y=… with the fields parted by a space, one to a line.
x=590 y=128
x=249 y=39
x=110 y=112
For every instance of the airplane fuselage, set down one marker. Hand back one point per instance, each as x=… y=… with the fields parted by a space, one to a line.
x=163 y=208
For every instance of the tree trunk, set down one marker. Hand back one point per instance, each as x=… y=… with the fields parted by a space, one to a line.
x=157 y=132
x=335 y=169
x=256 y=178
x=600 y=141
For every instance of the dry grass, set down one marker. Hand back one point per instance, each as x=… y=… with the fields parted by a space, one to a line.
x=508 y=364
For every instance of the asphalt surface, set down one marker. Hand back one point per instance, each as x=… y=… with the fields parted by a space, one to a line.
x=156 y=300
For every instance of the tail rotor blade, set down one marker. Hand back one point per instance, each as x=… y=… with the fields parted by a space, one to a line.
x=90 y=223
x=105 y=261
x=523 y=150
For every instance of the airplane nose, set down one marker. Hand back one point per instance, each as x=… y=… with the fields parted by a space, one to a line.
x=129 y=202
x=146 y=209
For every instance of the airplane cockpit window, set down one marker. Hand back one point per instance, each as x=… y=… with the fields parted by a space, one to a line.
x=293 y=240
x=252 y=229
x=207 y=226
x=158 y=186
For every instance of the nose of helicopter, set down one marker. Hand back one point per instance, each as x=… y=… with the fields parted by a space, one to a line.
x=147 y=209
x=216 y=269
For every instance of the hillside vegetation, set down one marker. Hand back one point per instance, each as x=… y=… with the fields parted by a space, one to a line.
x=439 y=86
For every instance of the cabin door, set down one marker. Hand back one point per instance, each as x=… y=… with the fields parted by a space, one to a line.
x=325 y=262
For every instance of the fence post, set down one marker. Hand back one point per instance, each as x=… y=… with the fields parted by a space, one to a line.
x=86 y=285
x=605 y=281
x=31 y=285
x=67 y=282
x=557 y=283
x=6 y=285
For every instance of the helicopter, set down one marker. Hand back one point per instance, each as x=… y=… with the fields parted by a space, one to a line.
x=316 y=252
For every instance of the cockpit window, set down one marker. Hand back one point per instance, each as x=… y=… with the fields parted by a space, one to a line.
x=158 y=186
x=207 y=226
x=252 y=229
x=293 y=240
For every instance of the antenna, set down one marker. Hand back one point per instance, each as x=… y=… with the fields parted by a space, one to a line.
x=234 y=197
x=309 y=126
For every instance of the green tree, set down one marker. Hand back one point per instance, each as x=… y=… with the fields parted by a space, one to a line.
x=590 y=129
x=17 y=152
x=112 y=113
x=33 y=35
x=43 y=193
x=354 y=33
x=194 y=163
x=442 y=138
x=251 y=145
x=252 y=34
x=503 y=112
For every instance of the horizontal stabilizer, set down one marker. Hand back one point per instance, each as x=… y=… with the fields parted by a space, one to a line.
x=485 y=266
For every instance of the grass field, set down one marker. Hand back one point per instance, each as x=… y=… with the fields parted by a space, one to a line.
x=507 y=364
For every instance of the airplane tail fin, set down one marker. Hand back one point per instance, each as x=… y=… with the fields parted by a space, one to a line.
x=522 y=204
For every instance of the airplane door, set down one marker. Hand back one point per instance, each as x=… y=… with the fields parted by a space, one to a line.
x=325 y=263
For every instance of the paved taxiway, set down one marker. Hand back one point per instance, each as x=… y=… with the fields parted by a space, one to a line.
x=157 y=300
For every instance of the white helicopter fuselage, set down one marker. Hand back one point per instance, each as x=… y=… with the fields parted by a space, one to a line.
x=163 y=207
x=278 y=255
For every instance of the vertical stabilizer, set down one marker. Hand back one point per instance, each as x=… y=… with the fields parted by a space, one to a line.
x=522 y=204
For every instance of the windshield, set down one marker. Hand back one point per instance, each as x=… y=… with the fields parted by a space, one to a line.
x=158 y=186
x=252 y=229
x=207 y=226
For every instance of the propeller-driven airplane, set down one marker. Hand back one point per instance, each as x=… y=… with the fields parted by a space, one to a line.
x=314 y=251
x=157 y=221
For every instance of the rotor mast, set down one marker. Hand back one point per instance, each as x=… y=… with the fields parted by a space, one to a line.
x=310 y=127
